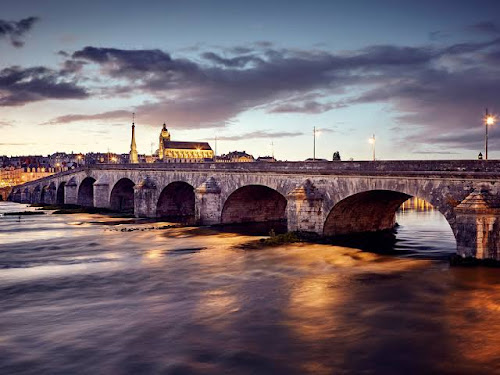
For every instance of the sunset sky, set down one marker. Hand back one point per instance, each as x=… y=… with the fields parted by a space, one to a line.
x=418 y=74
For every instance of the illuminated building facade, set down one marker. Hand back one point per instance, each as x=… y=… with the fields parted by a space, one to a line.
x=182 y=152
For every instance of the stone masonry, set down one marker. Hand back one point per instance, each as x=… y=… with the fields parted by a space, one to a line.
x=326 y=198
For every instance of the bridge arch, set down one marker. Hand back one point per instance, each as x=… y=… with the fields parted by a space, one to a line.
x=60 y=193
x=254 y=203
x=176 y=202
x=122 y=196
x=86 y=192
x=369 y=211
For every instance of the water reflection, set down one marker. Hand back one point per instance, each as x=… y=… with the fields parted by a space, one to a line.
x=188 y=300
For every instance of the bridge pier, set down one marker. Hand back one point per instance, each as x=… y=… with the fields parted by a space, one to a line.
x=145 y=198
x=25 y=196
x=208 y=203
x=478 y=226
x=101 y=193
x=305 y=211
x=71 y=192
x=36 y=195
x=50 y=194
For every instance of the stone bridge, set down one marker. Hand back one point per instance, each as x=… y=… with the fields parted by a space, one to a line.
x=327 y=198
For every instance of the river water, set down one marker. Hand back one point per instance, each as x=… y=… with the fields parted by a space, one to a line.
x=81 y=294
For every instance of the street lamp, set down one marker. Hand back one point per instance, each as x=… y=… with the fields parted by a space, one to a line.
x=488 y=120
x=372 y=142
x=314 y=141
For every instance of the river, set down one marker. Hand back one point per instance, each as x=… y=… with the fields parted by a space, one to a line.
x=86 y=294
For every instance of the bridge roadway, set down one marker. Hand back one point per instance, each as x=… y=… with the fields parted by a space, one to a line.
x=327 y=198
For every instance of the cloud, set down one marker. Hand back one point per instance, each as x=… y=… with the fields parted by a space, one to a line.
x=310 y=106
x=4 y=124
x=234 y=62
x=20 y=86
x=14 y=31
x=436 y=152
x=431 y=90
x=111 y=115
x=485 y=27
x=259 y=134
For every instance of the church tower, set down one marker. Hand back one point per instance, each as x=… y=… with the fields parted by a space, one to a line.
x=164 y=136
x=133 y=158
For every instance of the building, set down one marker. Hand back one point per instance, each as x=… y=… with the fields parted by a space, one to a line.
x=182 y=152
x=236 y=157
x=12 y=176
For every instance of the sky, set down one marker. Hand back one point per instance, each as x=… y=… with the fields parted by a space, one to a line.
x=258 y=75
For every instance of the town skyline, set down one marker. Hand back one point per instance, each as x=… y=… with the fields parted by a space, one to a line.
x=416 y=79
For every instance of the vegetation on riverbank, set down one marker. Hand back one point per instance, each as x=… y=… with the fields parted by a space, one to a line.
x=272 y=241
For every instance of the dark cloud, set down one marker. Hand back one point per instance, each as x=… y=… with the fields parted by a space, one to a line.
x=234 y=62
x=14 y=31
x=259 y=134
x=486 y=27
x=431 y=90
x=111 y=115
x=19 y=86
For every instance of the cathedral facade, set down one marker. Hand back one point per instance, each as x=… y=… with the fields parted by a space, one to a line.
x=182 y=152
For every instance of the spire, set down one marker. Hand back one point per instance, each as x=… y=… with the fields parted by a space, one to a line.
x=134 y=158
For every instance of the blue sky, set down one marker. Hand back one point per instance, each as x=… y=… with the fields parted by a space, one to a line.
x=417 y=74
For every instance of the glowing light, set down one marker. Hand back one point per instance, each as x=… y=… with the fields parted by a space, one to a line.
x=490 y=120
x=371 y=140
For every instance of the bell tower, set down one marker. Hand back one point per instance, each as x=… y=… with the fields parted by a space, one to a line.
x=164 y=136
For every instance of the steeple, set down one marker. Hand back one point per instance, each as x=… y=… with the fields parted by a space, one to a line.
x=164 y=136
x=134 y=158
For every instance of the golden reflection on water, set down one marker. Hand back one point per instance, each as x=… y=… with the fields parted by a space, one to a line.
x=416 y=204
x=473 y=310
x=327 y=305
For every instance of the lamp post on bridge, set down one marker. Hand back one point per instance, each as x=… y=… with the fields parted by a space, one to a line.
x=372 y=142
x=314 y=142
x=488 y=120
